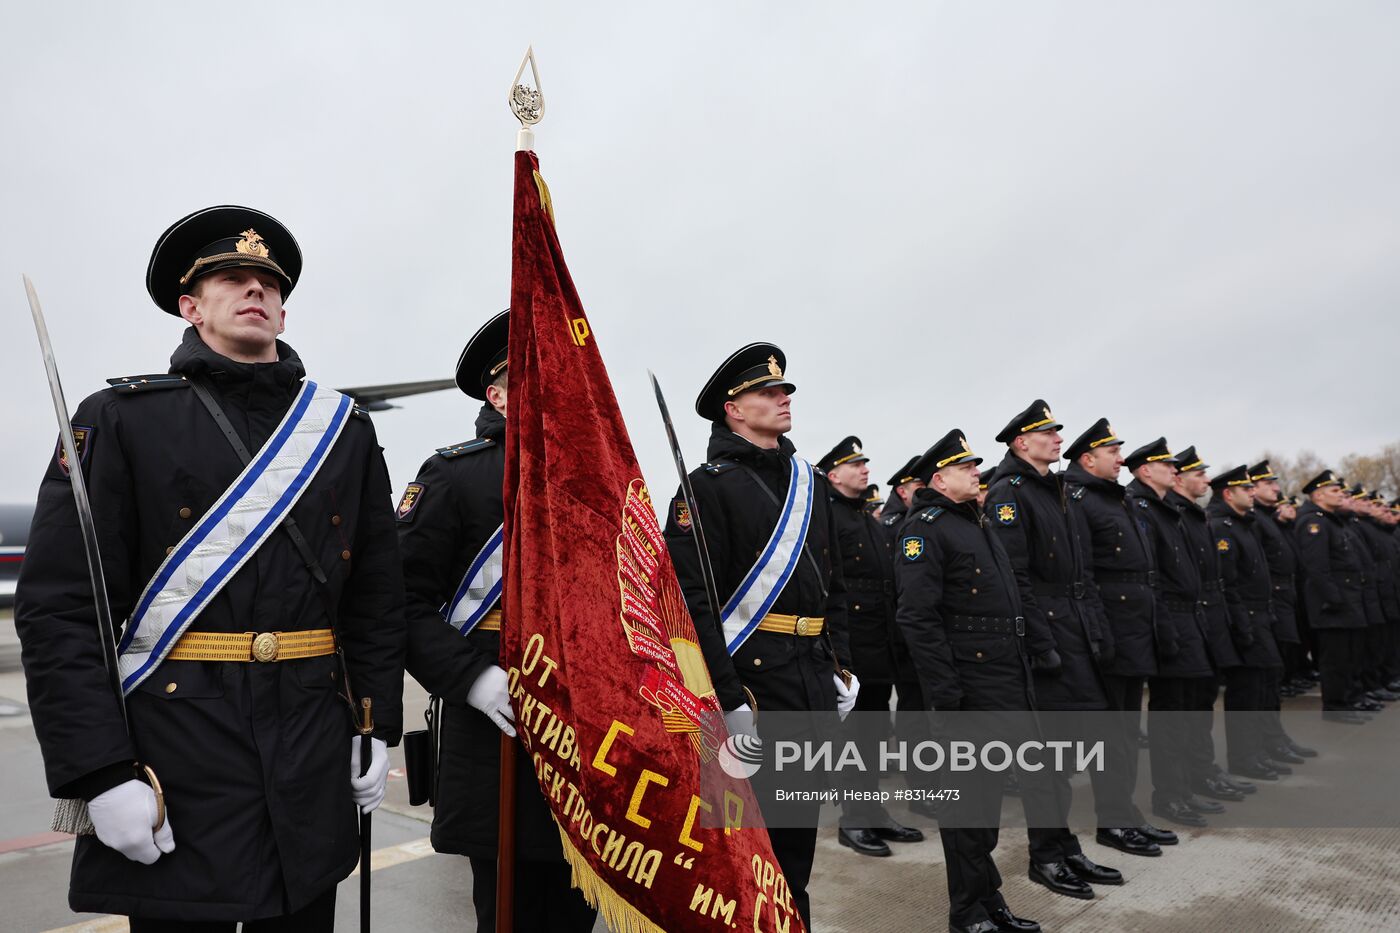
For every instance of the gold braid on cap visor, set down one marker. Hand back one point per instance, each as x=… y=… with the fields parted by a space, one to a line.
x=1107 y=440
x=244 y=259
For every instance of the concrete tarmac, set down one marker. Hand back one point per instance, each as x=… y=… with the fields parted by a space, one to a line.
x=1240 y=880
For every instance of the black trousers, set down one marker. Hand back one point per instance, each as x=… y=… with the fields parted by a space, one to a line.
x=1113 y=805
x=1201 y=693
x=1244 y=719
x=1339 y=656
x=911 y=719
x=543 y=898
x=1273 y=731
x=796 y=849
x=1125 y=696
x=1167 y=736
x=316 y=917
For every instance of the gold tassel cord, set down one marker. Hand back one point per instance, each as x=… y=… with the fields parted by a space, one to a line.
x=620 y=916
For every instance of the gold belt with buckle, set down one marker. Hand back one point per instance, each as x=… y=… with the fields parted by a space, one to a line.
x=791 y=625
x=252 y=646
x=491 y=622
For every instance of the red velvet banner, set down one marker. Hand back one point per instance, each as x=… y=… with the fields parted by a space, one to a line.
x=611 y=693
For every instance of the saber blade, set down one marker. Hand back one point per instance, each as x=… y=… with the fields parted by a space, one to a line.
x=106 y=630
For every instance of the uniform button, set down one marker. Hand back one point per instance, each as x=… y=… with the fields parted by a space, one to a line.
x=857 y=558
x=170 y=687
x=185 y=512
x=1051 y=613
x=1117 y=550
x=170 y=550
x=860 y=544
x=1122 y=599
x=974 y=591
x=345 y=554
x=856 y=607
x=979 y=654
x=1052 y=555
x=335 y=519
x=976 y=569
x=757 y=662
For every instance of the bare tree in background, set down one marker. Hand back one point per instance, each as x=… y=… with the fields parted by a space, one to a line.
x=1379 y=471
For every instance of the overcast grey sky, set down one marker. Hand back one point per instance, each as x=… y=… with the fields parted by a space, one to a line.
x=1184 y=216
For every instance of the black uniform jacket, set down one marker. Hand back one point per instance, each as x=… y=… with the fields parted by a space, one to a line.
x=1181 y=644
x=456 y=508
x=1123 y=561
x=954 y=578
x=1381 y=542
x=1219 y=605
x=784 y=672
x=1245 y=570
x=1332 y=569
x=254 y=758
x=1281 y=551
x=878 y=654
x=1062 y=608
x=1379 y=589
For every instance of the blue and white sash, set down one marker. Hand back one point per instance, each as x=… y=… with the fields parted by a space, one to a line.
x=775 y=565
x=223 y=540
x=480 y=590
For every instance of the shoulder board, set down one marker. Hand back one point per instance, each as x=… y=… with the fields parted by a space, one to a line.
x=931 y=514
x=1228 y=522
x=1015 y=480
x=357 y=410
x=1076 y=492
x=1142 y=503
x=719 y=466
x=890 y=520
x=466 y=447
x=131 y=385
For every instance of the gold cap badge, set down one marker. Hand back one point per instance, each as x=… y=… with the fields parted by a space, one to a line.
x=252 y=244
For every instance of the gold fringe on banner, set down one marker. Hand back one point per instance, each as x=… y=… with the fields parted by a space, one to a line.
x=618 y=914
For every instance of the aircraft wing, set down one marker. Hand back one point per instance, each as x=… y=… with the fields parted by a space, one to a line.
x=376 y=398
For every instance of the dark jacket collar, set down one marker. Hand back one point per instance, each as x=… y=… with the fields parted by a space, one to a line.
x=726 y=445
x=1217 y=508
x=1012 y=465
x=1183 y=504
x=1140 y=490
x=929 y=497
x=1081 y=477
x=194 y=358
x=491 y=423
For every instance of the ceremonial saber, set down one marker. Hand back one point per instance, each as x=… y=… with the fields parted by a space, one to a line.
x=71 y=816
x=366 y=754
x=706 y=571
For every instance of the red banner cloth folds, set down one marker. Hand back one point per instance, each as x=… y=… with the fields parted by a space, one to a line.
x=611 y=693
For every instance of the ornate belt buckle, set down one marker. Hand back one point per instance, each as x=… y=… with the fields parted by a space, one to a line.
x=802 y=625
x=265 y=647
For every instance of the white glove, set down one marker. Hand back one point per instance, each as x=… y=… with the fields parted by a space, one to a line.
x=491 y=694
x=846 y=696
x=740 y=721
x=368 y=791
x=123 y=817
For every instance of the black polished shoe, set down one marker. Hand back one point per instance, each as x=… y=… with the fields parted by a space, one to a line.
x=1367 y=706
x=1085 y=868
x=1216 y=789
x=1163 y=837
x=1300 y=750
x=1257 y=771
x=1202 y=806
x=1127 y=840
x=1060 y=878
x=1177 y=812
x=1244 y=787
x=863 y=841
x=892 y=831
x=981 y=926
x=1288 y=690
x=1284 y=754
x=1394 y=685
x=1350 y=717
x=1382 y=695
x=1280 y=767
x=1007 y=922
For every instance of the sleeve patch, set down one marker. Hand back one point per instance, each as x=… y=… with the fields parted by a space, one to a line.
x=1006 y=513
x=412 y=497
x=680 y=510
x=912 y=548
x=82 y=439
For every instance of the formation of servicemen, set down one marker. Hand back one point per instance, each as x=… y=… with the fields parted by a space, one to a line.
x=249 y=539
